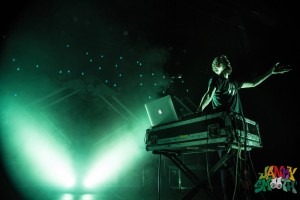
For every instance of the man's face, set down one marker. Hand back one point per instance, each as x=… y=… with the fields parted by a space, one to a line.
x=221 y=64
x=218 y=68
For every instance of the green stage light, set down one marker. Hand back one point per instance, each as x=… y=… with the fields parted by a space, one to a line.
x=87 y=197
x=110 y=162
x=67 y=197
x=48 y=157
x=43 y=157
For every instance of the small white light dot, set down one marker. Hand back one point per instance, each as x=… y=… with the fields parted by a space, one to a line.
x=60 y=71
x=37 y=66
x=121 y=57
x=102 y=56
x=82 y=73
x=13 y=59
x=91 y=60
x=18 y=68
x=86 y=53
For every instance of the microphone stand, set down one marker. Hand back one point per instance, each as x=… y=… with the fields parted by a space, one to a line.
x=168 y=87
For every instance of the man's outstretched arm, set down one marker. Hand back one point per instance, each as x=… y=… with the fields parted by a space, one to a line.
x=276 y=69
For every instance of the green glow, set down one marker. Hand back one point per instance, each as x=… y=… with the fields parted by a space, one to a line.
x=67 y=197
x=77 y=197
x=47 y=157
x=111 y=161
x=87 y=197
x=44 y=158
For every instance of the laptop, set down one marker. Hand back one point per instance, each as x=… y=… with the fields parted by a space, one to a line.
x=161 y=111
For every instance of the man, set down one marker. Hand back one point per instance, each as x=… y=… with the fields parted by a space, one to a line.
x=224 y=95
x=223 y=92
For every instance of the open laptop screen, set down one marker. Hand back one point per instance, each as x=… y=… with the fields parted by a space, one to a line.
x=161 y=111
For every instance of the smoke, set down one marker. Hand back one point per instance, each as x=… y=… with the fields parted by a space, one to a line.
x=52 y=44
x=79 y=70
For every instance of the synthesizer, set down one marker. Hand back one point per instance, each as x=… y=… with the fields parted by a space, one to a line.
x=206 y=132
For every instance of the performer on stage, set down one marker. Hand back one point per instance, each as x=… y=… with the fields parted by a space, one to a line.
x=223 y=93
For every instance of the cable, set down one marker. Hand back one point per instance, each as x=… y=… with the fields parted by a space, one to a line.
x=247 y=157
x=243 y=169
x=207 y=171
x=236 y=175
x=238 y=166
x=158 y=183
x=252 y=167
x=206 y=157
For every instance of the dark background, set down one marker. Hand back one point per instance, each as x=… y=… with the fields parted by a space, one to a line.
x=253 y=34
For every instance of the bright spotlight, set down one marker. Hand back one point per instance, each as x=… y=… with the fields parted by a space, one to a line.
x=67 y=197
x=87 y=197
x=44 y=158
x=110 y=162
x=47 y=157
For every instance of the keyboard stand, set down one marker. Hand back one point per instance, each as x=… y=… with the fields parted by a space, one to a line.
x=198 y=185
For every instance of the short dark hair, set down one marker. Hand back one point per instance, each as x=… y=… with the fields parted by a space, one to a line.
x=221 y=59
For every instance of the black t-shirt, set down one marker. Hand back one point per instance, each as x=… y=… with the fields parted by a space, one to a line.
x=226 y=96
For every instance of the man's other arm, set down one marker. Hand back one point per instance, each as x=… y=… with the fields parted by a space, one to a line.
x=206 y=99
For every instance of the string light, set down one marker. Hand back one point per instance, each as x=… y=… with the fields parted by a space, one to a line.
x=108 y=74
